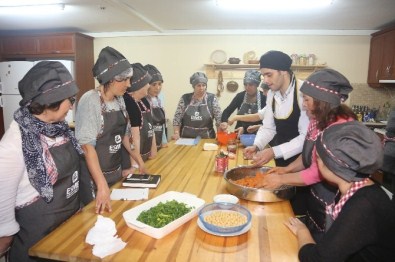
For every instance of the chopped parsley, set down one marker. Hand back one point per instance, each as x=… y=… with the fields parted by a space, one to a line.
x=163 y=213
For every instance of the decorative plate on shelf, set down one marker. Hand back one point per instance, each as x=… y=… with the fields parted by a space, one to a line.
x=218 y=57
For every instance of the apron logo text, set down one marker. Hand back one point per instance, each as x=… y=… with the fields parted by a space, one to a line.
x=72 y=190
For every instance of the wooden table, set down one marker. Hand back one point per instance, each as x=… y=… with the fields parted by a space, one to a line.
x=183 y=169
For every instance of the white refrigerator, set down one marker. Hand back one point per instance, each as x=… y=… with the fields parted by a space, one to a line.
x=11 y=72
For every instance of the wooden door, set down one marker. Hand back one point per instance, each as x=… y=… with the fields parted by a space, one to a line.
x=387 y=67
x=19 y=45
x=375 y=58
x=56 y=44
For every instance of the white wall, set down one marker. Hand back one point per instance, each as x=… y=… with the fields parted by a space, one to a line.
x=178 y=57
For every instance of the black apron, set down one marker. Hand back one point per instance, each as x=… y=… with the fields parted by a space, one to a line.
x=247 y=108
x=146 y=131
x=197 y=120
x=40 y=218
x=158 y=123
x=286 y=129
x=109 y=144
x=320 y=196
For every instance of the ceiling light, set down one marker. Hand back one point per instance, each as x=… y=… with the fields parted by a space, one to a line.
x=272 y=4
x=30 y=9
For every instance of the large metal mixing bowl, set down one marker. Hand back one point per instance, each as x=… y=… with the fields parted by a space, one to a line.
x=255 y=194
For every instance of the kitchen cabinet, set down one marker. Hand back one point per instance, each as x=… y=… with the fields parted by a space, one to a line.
x=57 y=46
x=60 y=46
x=18 y=45
x=382 y=58
x=237 y=71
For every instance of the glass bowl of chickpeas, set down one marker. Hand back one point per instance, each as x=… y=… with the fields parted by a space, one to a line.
x=223 y=217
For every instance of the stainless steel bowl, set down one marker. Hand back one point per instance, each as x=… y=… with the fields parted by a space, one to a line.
x=255 y=194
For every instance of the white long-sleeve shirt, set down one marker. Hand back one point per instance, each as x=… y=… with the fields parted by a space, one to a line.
x=15 y=187
x=284 y=105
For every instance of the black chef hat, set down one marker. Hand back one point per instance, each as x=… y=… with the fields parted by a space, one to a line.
x=140 y=78
x=109 y=64
x=197 y=78
x=154 y=72
x=46 y=83
x=350 y=150
x=252 y=77
x=276 y=60
x=327 y=85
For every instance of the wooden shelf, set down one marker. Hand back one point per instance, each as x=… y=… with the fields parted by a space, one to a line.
x=236 y=71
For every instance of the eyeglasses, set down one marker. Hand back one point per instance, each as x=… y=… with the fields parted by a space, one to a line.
x=72 y=100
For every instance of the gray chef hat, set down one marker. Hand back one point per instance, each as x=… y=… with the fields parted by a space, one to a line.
x=140 y=78
x=252 y=77
x=197 y=78
x=45 y=83
x=276 y=60
x=327 y=85
x=154 y=72
x=109 y=64
x=350 y=150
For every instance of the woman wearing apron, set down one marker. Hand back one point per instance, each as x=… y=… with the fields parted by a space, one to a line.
x=40 y=161
x=102 y=125
x=362 y=221
x=157 y=110
x=247 y=102
x=324 y=91
x=139 y=111
x=196 y=111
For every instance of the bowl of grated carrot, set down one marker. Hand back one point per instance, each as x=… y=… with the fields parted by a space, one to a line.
x=245 y=182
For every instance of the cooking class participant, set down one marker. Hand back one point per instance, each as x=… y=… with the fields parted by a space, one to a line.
x=196 y=111
x=324 y=91
x=285 y=122
x=246 y=102
x=389 y=149
x=40 y=161
x=157 y=109
x=102 y=124
x=362 y=221
x=139 y=110
x=256 y=117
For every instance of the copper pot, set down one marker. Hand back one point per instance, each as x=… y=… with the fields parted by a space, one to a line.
x=232 y=86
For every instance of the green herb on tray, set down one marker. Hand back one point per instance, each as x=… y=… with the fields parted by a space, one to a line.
x=163 y=213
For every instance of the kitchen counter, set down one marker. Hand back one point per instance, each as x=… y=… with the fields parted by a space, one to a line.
x=375 y=124
x=183 y=169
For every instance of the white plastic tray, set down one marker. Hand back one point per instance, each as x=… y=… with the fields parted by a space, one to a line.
x=131 y=215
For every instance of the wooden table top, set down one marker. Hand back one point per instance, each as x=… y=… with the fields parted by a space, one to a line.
x=183 y=169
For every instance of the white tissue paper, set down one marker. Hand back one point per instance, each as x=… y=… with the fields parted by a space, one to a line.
x=129 y=194
x=210 y=146
x=103 y=238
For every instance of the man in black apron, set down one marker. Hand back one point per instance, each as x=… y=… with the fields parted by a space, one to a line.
x=48 y=190
x=199 y=110
x=102 y=125
x=285 y=123
x=157 y=110
x=247 y=102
